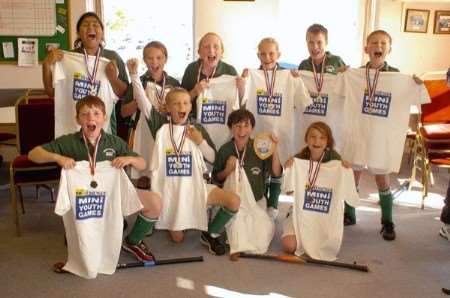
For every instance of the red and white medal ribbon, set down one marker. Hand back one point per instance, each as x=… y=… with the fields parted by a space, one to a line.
x=270 y=84
x=160 y=94
x=371 y=86
x=93 y=75
x=240 y=158
x=92 y=158
x=207 y=77
x=177 y=149
x=314 y=172
x=318 y=79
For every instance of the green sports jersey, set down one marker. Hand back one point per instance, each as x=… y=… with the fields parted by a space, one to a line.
x=385 y=67
x=329 y=155
x=256 y=169
x=73 y=146
x=332 y=63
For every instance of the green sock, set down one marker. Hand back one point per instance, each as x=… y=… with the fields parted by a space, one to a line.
x=386 y=199
x=274 y=192
x=221 y=218
x=350 y=212
x=141 y=227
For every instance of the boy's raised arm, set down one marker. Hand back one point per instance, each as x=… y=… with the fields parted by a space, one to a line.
x=40 y=155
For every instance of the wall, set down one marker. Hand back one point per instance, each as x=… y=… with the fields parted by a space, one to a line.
x=13 y=77
x=414 y=52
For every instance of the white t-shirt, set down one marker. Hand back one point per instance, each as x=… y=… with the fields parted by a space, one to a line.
x=251 y=229
x=376 y=137
x=180 y=185
x=71 y=83
x=318 y=213
x=93 y=217
x=214 y=105
x=279 y=115
x=327 y=107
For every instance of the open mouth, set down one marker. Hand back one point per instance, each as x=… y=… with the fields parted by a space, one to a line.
x=91 y=127
x=211 y=59
x=181 y=115
x=378 y=54
x=154 y=69
x=91 y=36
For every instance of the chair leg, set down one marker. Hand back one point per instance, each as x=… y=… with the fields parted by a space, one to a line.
x=14 y=211
x=414 y=166
x=21 y=199
x=37 y=192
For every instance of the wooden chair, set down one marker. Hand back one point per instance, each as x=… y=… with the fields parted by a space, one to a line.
x=35 y=126
x=432 y=147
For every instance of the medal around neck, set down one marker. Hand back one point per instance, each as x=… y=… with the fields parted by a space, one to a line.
x=263 y=145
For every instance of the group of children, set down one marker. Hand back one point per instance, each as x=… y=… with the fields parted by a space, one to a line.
x=216 y=108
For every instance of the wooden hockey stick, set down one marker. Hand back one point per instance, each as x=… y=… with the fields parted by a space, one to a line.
x=159 y=262
x=298 y=260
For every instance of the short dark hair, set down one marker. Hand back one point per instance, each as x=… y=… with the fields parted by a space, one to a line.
x=378 y=32
x=240 y=116
x=316 y=29
x=90 y=101
x=157 y=45
x=77 y=43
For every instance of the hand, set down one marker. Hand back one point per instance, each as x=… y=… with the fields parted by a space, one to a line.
x=231 y=164
x=342 y=68
x=111 y=70
x=122 y=161
x=245 y=73
x=132 y=65
x=53 y=56
x=417 y=80
x=289 y=163
x=65 y=162
x=199 y=87
x=275 y=140
x=240 y=84
x=346 y=164
x=295 y=73
x=194 y=134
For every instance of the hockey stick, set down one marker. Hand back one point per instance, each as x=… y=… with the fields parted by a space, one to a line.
x=298 y=260
x=159 y=262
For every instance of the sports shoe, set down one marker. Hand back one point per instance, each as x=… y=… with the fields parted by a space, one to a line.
x=348 y=221
x=215 y=245
x=140 y=251
x=388 y=231
x=445 y=231
x=272 y=212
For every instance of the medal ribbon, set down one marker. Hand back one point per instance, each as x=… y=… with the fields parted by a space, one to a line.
x=174 y=144
x=91 y=76
x=160 y=94
x=314 y=172
x=240 y=158
x=270 y=84
x=92 y=158
x=371 y=87
x=207 y=77
x=318 y=79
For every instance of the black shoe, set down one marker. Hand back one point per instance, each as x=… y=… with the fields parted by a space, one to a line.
x=388 y=231
x=215 y=245
x=348 y=221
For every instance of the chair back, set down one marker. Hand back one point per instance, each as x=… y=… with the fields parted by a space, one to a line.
x=438 y=111
x=35 y=118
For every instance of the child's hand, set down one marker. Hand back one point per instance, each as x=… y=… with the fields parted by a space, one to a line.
x=418 y=80
x=346 y=164
x=289 y=163
x=245 y=73
x=199 y=87
x=53 y=56
x=122 y=161
x=275 y=140
x=65 y=162
x=342 y=68
x=111 y=70
x=132 y=65
x=295 y=73
x=195 y=135
x=231 y=164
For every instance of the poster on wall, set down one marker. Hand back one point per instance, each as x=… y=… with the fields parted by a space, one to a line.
x=416 y=20
x=28 y=52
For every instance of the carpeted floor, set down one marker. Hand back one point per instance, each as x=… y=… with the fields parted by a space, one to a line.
x=417 y=264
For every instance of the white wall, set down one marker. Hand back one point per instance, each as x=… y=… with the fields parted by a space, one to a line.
x=14 y=77
x=414 y=52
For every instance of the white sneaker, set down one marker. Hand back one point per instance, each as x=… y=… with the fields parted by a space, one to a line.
x=272 y=212
x=445 y=231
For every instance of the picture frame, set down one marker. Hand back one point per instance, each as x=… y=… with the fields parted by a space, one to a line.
x=442 y=22
x=416 y=20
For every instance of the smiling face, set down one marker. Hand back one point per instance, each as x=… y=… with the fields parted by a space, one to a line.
x=91 y=120
x=91 y=33
x=210 y=50
x=378 y=47
x=241 y=132
x=155 y=60
x=316 y=142
x=317 y=44
x=178 y=105
x=268 y=54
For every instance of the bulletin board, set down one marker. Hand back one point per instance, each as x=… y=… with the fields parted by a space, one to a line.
x=34 y=19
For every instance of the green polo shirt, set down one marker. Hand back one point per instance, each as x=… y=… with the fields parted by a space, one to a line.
x=73 y=146
x=190 y=78
x=332 y=63
x=329 y=155
x=386 y=67
x=256 y=169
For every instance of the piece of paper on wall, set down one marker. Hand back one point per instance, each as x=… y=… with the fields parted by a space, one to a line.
x=59 y=1
x=8 y=49
x=28 y=52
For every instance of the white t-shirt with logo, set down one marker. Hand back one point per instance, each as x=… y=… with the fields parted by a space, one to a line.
x=318 y=213
x=179 y=182
x=71 y=83
x=279 y=114
x=93 y=217
x=214 y=105
x=375 y=136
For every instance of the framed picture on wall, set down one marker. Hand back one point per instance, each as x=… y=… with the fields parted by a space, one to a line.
x=417 y=20
x=442 y=22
